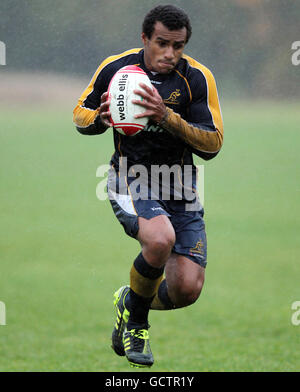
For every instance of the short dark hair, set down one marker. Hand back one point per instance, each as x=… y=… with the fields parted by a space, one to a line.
x=172 y=17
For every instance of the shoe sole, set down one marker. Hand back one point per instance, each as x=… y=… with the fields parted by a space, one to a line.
x=139 y=365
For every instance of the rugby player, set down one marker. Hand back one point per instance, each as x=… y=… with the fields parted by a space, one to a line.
x=184 y=119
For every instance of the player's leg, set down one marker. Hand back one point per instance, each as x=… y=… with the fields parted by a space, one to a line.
x=147 y=221
x=182 y=285
x=157 y=239
x=185 y=268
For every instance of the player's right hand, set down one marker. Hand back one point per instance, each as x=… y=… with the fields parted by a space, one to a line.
x=104 y=110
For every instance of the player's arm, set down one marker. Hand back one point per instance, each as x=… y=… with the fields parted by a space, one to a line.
x=91 y=114
x=203 y=131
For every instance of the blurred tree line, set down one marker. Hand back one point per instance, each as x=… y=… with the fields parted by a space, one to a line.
x=246 y=43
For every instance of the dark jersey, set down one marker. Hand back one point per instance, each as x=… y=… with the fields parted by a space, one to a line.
x=189 y=90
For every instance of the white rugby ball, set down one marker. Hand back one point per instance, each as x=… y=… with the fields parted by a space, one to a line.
x=121 y=94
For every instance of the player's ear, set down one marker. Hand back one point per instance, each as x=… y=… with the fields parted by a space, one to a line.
x=144 y=38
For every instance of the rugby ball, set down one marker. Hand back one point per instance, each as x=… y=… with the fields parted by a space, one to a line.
x=121 y=94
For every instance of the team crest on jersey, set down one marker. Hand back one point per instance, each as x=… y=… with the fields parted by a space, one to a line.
x=198 y=248
x=173 y=97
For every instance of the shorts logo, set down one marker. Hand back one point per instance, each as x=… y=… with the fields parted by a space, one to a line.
x=198 y=248
x=173 y=97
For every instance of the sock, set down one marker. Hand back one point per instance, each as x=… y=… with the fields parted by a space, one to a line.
x=144 y=282
x=162 y=301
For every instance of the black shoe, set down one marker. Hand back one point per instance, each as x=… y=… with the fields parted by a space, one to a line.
x=121 y=321
x=137 y=348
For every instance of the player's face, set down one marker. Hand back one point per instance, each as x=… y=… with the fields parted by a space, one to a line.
x=164 y=49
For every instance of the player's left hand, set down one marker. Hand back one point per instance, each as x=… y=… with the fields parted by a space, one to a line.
x=152 y=102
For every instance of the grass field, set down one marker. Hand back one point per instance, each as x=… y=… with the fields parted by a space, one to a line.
x=63 y=253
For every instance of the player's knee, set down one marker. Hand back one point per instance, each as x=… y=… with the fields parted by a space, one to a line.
x=161 y=245
x=186 y=294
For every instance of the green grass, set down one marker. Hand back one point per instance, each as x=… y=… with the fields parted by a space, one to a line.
x=63 y=253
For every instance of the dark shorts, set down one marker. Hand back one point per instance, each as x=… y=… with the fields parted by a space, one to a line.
x=189 y=225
